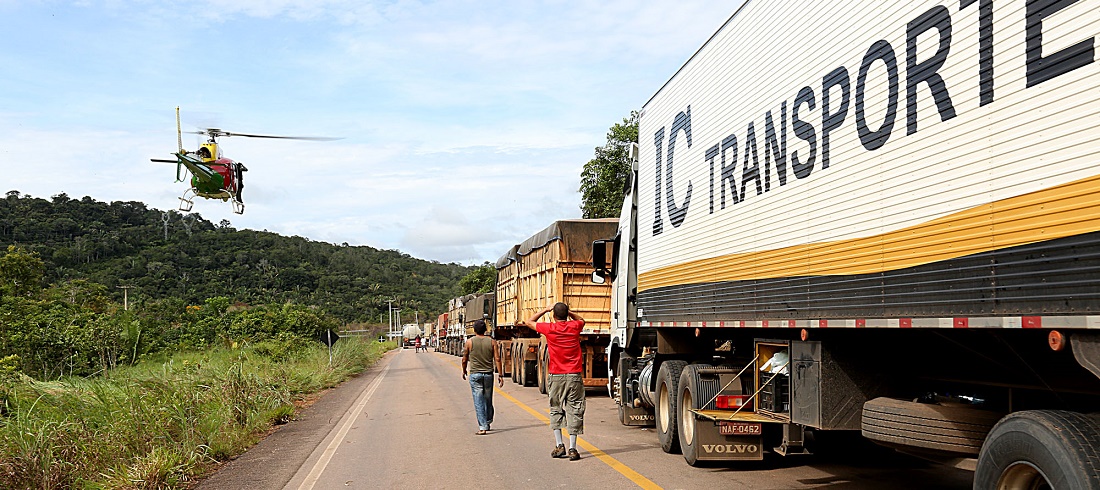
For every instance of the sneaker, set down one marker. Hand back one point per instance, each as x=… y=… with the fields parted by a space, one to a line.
x=558 y=451
x=574 y=455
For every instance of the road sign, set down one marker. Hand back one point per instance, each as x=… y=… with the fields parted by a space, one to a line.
x=329 y=337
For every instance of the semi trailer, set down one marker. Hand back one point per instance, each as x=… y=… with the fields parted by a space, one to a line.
x=549 y=267
x=878 y=218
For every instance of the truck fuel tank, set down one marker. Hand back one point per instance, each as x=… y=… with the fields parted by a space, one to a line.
x=644 y=396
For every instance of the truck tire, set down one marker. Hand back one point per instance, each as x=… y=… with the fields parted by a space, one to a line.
x=950 y=429
x=542 y=367
x=620 y=386
x=529 y=373
x=514 y=368
x=668 y=392
x=518 y=362
x=685 y=419
x=1041 y=449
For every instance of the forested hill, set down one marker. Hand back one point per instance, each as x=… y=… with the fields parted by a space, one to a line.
x=124 y=243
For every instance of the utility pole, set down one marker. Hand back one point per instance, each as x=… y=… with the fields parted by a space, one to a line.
x=389 y=308
x=125 y=297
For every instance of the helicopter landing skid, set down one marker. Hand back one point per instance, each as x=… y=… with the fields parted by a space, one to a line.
x=238 y=207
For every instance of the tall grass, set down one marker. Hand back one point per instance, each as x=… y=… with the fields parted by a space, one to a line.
x=161 y=424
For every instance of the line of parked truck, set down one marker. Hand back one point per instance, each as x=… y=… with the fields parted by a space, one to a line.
x=932 y=285
x=551 y=266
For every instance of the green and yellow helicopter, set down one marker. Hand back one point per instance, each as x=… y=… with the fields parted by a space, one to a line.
x=212 y=175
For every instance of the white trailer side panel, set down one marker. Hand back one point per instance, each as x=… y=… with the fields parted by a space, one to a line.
x=958 y=133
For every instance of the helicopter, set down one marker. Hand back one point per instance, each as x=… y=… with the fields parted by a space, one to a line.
x=213 y=176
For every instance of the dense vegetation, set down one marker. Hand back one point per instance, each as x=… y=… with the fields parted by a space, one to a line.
x=162 y=423
x=93 y=395
x=167 y=255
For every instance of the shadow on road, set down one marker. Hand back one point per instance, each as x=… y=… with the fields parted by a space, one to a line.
x=518 y=427
x=626 y=449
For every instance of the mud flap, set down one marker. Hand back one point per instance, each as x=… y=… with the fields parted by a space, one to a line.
x=637 y=417
x=713 y=446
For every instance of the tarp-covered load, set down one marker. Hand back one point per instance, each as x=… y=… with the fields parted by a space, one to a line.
x=576 y=235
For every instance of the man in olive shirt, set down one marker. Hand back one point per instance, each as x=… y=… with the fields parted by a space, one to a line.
x=481 y=355
x=565 y=368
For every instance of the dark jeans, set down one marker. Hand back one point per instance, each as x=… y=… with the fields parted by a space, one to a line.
x=481 y=384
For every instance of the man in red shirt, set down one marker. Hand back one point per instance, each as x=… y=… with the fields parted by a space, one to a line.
x=565 y=366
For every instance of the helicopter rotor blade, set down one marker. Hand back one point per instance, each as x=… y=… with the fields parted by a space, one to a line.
x=307 y=138
x=215 y=132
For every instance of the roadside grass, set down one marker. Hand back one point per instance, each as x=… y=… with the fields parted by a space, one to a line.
x=162 y=423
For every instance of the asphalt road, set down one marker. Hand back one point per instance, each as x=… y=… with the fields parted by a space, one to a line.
x=408 y=422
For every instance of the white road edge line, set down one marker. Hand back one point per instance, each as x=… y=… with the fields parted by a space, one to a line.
x=326 y=457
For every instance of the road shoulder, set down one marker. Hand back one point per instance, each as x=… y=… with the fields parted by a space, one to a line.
x=274 y=461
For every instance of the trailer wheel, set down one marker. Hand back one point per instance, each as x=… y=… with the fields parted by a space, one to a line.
x=689 y=441
x=523 y=373
x=498 y=353
x=1041 y=449
x=542 y=369
x=515 y=358
x=530 y=372
x=668 y=380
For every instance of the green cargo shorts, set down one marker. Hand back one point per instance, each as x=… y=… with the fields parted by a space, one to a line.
x=566 y=402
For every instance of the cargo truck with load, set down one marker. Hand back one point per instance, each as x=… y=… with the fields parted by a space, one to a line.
x=480 y=307
x=457 y=332
x=549 y=267
x=875 y=217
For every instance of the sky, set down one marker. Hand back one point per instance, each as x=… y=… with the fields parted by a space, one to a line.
x=464 y=125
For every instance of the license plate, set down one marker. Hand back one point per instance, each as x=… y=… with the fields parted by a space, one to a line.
x=739 y=428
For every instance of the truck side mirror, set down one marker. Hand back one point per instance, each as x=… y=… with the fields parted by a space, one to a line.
x=599 y=261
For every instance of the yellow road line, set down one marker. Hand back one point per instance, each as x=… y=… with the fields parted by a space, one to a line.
x=615 y=464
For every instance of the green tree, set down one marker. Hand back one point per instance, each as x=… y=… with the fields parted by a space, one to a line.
x=603 y=180
x=480 y=280
x=20 y=272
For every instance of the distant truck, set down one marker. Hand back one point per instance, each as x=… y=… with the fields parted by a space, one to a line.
x=876 y=217
x=553 y=266
x=480 y=307
x=440 y=334
x=456 y=328
x=410 y=333
x=457 y=324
